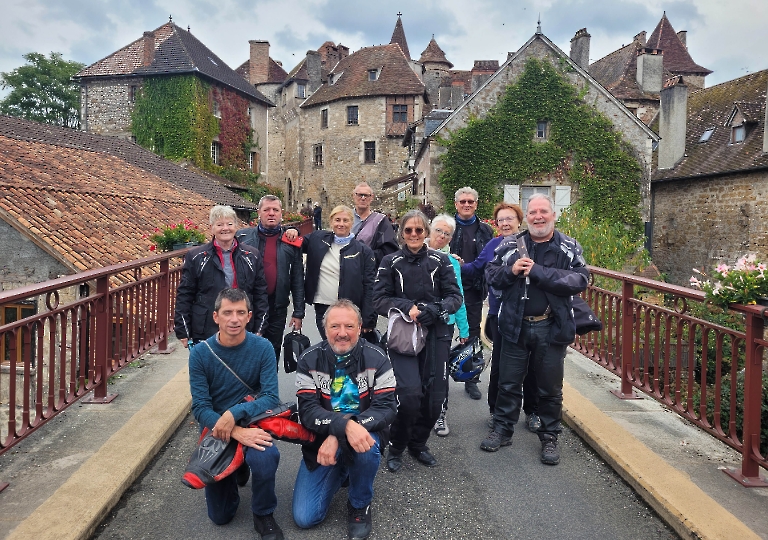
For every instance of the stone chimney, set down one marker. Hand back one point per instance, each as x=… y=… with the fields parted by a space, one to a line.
x=580 y=49
x=149 y=49
x=672 y=122
x=313 y=63
x=258 y=70
x=683 y=35
x=650 y=65
x=343 y=52
x=640 y=38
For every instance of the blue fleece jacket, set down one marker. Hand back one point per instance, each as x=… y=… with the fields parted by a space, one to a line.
x=477 y=267
x=215 y=389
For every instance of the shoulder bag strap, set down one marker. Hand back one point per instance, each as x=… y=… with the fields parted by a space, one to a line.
x=228 y=368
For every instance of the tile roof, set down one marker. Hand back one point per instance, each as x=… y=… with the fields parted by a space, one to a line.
x=712 y=108
x=176 y=51
x=396 y=77
x=433 y=53
x=276 y=73
x=676 y=57
x=87 y=208
x=398 y=36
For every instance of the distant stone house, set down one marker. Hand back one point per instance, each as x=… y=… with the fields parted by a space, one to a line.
x=710 y=190
x=109 y=89
x=426 y=149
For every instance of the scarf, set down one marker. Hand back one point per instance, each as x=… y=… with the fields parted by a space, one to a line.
x=270 y=232
x=465 y=222
x=343 y=240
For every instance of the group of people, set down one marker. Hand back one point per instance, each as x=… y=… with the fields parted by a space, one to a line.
x=356 y=398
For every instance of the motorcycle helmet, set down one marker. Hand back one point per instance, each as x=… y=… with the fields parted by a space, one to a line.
x=466 y=361
x=374 y=337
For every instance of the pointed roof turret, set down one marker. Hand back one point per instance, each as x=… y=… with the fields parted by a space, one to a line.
x=398 y=36
x=434 y=54
x=676 y=57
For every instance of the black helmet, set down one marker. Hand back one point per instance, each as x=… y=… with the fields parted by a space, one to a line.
x=466 y=361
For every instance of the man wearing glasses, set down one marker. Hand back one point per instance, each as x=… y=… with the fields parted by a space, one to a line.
x=468 y=241
x=372 y=228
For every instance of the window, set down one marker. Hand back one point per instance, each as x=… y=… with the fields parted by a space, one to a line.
x=12 y=313
x=399 y=114
x=132 y=93
x=352 y=115
x=253 y=162
x=706 y=135
x=542 y=128
x=369 y=151
x=527 y=191
x=216 y=109
x=317 y=155
x=215 y=151
x=373 y=74
x=739 y=132
x=324 y=118
x=301 y=90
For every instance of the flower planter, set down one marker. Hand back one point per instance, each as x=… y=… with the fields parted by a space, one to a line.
x=185 y=245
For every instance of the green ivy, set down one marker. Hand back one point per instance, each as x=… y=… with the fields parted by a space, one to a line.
x=173 y=117
x=582 y=145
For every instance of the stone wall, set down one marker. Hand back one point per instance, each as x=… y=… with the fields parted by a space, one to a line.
x=106 y=106
x=24 y=262
x=700 y=223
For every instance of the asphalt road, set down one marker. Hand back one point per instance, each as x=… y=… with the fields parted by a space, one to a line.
x=471 y=494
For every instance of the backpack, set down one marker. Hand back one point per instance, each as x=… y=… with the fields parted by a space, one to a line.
x=294 y=344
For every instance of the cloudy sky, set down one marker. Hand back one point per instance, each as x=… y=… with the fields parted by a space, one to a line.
x=726 y=36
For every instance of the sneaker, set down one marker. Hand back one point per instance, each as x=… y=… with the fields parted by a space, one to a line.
x=441 y=426
x=494 y=441
x=490 y=422
x=550 y=450
x=360 y=522
x=470 y=387
x=267 y=527
x=533 y=422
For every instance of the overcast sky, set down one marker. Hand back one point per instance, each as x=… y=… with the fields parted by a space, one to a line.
x=727 y=36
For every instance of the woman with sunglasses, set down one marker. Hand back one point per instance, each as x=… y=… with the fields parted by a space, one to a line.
x=421 y=283
x=508 y=218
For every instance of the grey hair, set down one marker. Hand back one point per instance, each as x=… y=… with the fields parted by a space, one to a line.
x=466 y=189
x=413 y=214
x=233 y=295
x=270 y=198
x=541 y=196
x=445 y=218
x=221 y=212
x=343 y=303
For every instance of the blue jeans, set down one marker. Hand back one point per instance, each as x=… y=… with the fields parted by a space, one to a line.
x=314 y=490
x=223 y=498
x=547 y=360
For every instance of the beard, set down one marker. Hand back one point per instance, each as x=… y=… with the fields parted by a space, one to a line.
x=342 y=347
x=541 y=231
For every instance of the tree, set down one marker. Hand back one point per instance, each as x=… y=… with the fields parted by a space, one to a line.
x=43 y=90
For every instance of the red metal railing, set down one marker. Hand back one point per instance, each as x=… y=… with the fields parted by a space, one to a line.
x=79 y=337
x=709 y=374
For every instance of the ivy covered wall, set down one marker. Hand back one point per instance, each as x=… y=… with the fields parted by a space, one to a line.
x=581 y=147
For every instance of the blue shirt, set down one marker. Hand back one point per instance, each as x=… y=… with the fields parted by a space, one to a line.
x=345 y=394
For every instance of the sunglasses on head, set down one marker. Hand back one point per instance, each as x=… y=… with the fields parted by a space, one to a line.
x=411 y=230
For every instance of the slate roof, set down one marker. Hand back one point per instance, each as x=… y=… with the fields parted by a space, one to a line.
x=398 y=36
x=135 y=155
x=86 y=208
x=177 y=51
x=433 y=53
x=276 y=73
x=396 y=77
x=712 y=108
x=676 y=57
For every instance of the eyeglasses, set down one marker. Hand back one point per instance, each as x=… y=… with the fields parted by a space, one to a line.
x=363 y=195
x=411 y=230
x=445 y=234
x=505 y=219
x=466 y=201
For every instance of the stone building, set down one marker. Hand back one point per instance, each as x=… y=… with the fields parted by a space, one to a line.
x=710 y=190
x=426 y=149
x=634 y=73
x=110 y=86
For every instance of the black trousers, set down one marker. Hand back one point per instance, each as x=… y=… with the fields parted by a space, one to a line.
x=420 y=393
x=473 y=301
x=275 y=327
x=320 y=310
x=530 y=400
x=513 y=365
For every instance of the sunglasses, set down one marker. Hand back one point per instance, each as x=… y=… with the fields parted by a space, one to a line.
x=466 y=201
x=363 y=195
x=411 y=230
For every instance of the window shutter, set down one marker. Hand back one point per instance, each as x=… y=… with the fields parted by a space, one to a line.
x=562 y=198
x=512 y=193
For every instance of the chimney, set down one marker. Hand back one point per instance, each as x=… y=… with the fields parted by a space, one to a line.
x=149 y=49
x=672 y=122
x=650 y=64
x=640 y=38
x=683 y=35
x=343 y=52
x=580 y=49
x=313 y=63
x=258 y=70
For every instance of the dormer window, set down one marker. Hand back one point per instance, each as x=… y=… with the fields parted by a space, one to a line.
x=373 y=74
x=333 y=78
x=706 y=135
x=738 y=134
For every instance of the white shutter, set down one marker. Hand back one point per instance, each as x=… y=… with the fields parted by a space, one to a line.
x=562 y=198
x=512 y=194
